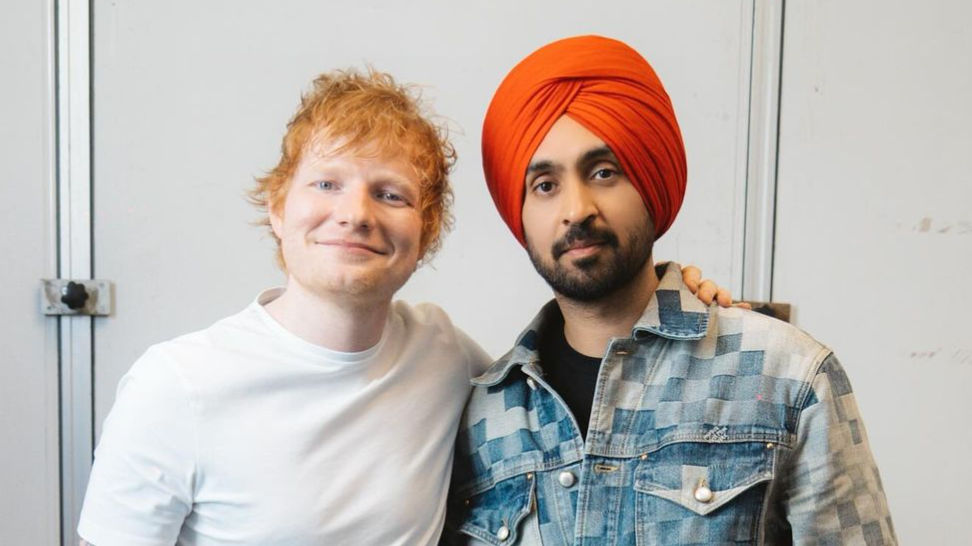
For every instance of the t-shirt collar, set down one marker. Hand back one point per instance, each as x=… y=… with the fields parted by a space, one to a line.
x=311 y=349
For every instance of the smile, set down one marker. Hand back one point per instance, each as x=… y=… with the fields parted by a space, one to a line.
x=351 y=246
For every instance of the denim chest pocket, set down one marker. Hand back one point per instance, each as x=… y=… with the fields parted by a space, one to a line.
x=496 y=515
x=697 y=492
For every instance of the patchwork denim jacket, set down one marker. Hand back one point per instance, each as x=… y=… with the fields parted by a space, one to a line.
x=709 y=426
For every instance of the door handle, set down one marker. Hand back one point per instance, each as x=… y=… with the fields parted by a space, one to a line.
x=76 y=297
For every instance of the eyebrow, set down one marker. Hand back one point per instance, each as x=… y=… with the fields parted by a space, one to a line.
x=390 y=179
x=540 y=166
x=601 y=152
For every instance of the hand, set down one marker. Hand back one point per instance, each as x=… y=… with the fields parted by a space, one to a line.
x=706 y=290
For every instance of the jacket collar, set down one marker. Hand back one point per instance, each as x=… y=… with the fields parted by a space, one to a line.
x=673 y=312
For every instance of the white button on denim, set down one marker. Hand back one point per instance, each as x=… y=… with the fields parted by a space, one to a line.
x=566 y=478
x=532 y=383
x=503 y=533
x=703 y=493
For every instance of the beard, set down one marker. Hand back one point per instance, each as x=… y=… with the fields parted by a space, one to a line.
x=595 y=277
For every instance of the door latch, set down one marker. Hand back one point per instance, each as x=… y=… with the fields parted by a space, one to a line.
x=75 y=297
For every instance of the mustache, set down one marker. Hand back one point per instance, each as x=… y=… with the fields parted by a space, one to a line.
x=583 y=234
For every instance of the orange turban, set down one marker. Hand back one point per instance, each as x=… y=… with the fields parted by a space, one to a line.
x=608 y=88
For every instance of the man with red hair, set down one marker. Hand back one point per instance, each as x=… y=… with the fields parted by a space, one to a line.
x=628 y=412
x=324 y=412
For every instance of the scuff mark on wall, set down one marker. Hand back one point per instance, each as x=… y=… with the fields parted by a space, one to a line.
x=961 y=356
x=924 y=354
x=930 y=225
x=957 y=355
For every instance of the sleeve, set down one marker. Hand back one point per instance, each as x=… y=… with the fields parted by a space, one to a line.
x=141 y=485
x=834 y=493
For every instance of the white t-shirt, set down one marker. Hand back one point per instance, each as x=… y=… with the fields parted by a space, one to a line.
x=243 y=433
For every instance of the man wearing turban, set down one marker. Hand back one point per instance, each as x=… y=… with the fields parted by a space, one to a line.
x=628 y=412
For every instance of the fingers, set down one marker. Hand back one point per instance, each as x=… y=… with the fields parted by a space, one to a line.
x=724 y=298
x=691 y=276
x=742 y=305
x=707 y=291
x=710 y=292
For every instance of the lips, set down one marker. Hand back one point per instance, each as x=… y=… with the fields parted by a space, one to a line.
x=351 y=245
x=580 y=245
x=583 y=236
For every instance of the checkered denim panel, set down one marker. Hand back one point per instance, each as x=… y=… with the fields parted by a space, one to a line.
x=559 y=500
x=605 y=494
x=677 y=320
x=504 y=505
x=836 y=491
x=667 y=389
x=519 y=429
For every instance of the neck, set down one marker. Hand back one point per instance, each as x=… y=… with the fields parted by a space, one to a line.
x=337 y=324
x=590 y=325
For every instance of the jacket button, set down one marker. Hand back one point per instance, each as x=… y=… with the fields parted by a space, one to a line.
x=703 y=493
x=503 y=533
x=566 y=478
x=532 y=384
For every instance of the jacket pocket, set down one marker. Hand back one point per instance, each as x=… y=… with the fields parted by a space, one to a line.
x=691 y=490
x=496 y=515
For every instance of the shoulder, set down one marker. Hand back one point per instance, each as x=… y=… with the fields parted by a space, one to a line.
x=782 y=349
x=426 y=315
x=426 y=320
x=183 y=363
x=224 y=332
x=232 y=333
x=429 y=324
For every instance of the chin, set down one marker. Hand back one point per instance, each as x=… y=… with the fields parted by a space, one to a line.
x=366 y=289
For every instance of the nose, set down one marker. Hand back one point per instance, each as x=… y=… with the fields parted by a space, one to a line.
x=577 y=205
x=355 y=209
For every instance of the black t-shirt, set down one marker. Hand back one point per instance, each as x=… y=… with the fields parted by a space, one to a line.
x=571 y=374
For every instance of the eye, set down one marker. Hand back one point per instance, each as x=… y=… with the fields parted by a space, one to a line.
x=544 y=187
x=604 y=173
x=325 y=185
x=391 y=197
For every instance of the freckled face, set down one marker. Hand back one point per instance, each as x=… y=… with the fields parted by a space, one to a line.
x=588 y=232
x=349 y=225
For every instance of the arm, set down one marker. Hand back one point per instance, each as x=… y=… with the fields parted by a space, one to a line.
x=834 y=492
x=140 y=488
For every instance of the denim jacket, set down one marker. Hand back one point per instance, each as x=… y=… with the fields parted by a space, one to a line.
x=709 y=426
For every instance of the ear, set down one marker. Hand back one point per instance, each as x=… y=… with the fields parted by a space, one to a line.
x=275 y=214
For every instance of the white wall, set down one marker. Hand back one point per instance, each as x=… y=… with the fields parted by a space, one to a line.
x=28 y=341
x=874 y=232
